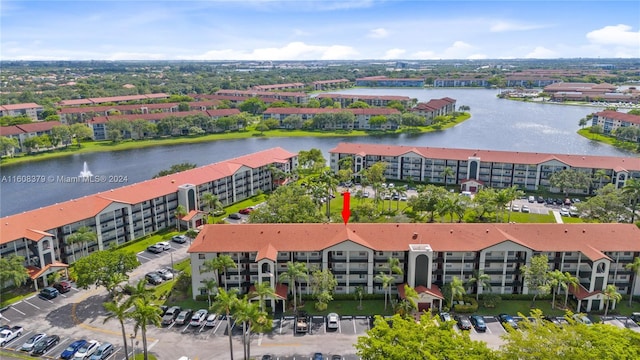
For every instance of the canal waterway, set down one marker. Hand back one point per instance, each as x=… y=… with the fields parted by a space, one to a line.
x=495 y=124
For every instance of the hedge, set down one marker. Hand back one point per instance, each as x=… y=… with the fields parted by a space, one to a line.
x=470 y=305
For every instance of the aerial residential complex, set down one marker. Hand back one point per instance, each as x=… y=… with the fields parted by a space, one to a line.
x=613 y=120
x=133 y=211
x=429 y=254
x=474 y=169
x=31 y=110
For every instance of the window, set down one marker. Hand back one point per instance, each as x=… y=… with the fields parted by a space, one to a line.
x=362 y=253
x=449 y=266
x=511 y=253
x=338 y=253
x=488 y=253
x=449 y=254
x=201 y=256
x=467 y=266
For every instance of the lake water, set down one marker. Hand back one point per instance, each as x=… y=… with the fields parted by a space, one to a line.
x=495 y=124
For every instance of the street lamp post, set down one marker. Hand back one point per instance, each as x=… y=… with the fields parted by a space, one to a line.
x=133 y=349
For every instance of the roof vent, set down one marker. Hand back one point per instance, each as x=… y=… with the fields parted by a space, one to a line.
x=451 y=231
x=566 y=231
x=415 y=235
x=584 y=231
x=397 y=225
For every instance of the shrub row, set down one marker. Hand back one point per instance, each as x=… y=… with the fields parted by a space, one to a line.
x=470 y=305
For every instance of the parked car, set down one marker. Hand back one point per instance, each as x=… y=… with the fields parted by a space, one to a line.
x=164 y=309
x=445 y=316
x=337 y=357
x=515 y=207
x=478 y=323
x=463 y=322
x=507 y=320
x=86 y=350
x=583 y=319
x=211 y=320
x=318 y=356
x=540 y=200
x=165 y=274
x=636 y=317
x=170 y=316
x=49 y=293
x=573 y=211
x=103 y=351
x=564 y=212
x=267 y=357
x=62 y=286
x=155 y=248
x=333 y=321
x=71 y=350
x=153 y=278
x=45 y=344
x=180 y=239
x=164 y=245
x=550 y=201
x=532 y=199
x=184 y=316
x=33 y=340
x=246 y=211
x=525 y=209
x=235 y=216
x=553 y=320
x=198 y=318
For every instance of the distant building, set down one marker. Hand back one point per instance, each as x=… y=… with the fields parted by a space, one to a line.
x=32 y=110
x=362 y=116
x=330 y=84
x=613 y=120
x=70 y=115
x=473 y=169
x=268 y=96
x=435 y=107
x=112 y=99
x=277 y=87
x=372 y=100
x=461 y=82
x=25 y=131
x=383 y=81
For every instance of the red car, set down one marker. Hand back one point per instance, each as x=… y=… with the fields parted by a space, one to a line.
x=246 y=211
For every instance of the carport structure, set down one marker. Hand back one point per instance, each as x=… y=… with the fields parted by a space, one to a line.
x=428 y=298
x=36 y=274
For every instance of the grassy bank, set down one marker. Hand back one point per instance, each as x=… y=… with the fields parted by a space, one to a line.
x=625 y=145
x=102 y=146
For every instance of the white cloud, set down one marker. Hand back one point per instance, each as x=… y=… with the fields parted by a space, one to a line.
x=394 y=54
x=457 y=50
x=135 y=56
x=378 y=33
x=540 y=52
x=502 y=26
x=291 y=51
x=616 y=35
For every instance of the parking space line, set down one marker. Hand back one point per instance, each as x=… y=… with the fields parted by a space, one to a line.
x=26 y=302
x=355 y=331
x=144 y=257
x=18 y=311
x=217 y=326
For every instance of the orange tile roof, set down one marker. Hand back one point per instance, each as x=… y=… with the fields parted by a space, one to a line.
x=580 y=161
x=20 y=106
x=36 y=272
x=581 y=293
x=590 y=239
x=434 y=291
x=31 y=224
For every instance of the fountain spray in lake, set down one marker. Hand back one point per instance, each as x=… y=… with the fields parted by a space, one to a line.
x=85 y=171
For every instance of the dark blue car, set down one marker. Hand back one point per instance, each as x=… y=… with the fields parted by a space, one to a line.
x=72 y=349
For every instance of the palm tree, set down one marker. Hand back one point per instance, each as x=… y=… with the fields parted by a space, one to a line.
x=447 y=172
x=294 y=272
x=359 y=293
x=263 y=290
x=635 y=268
x=253 y=319
x=210 y=285
x=141 y=291
x=220 y=264
x=394 y=266
x=180 y=212
x=601 y=175
x=556 y=278
x=118 y=310
x=386 y=280
x=479 y=280
x=457 y=289
x=401 y=191
x=212 y=202
x=329 y=184
x=632 y=190
x=501 y=200
x=226 y=302
x=610 y=293
x=569 y=281
x=84 y=235
x=145 y=313
x=409 y=304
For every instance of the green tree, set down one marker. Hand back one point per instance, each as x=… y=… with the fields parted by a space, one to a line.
x=210 y=285
x=601 y=175
x=377 y=121
x=555 y=278
x=220 y=264
x=145 y=313
x=570 y=179
x=262 y=127
x=12 y=270
x=569 y=281
x=118 y=310
x=478 y=281
x=409 y=304
x=80 y=132
x=98 y=268
x=179 y=212
x=253 y=106
x=424 y=339
x=288 y=204
x=635 y=268
x=311 y=162
x=263 y=290
x=61 y=134
x=292 y=122
x=253 y=320
x=631 y=190
x=427 y=200
x=358 y=104
x=323 y=283
x=226 y=303
x=535 y=276
x=212 y=202
x=176 y=168
x=83 y=236
x=359 y=293
x=8 y=145
x=387 y=281
x=446 y=173
x=607 y=206
x=610 y=294
x=294 y=272
x=456 y=286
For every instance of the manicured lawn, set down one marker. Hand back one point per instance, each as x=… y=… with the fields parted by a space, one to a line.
x=513 y=307
x=13 y=296
x=572 y=220
x=530 y=218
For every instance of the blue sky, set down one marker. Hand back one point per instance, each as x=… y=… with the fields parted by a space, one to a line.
x=317 y=30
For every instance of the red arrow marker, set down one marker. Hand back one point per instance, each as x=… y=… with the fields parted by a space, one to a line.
x=346 y=209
